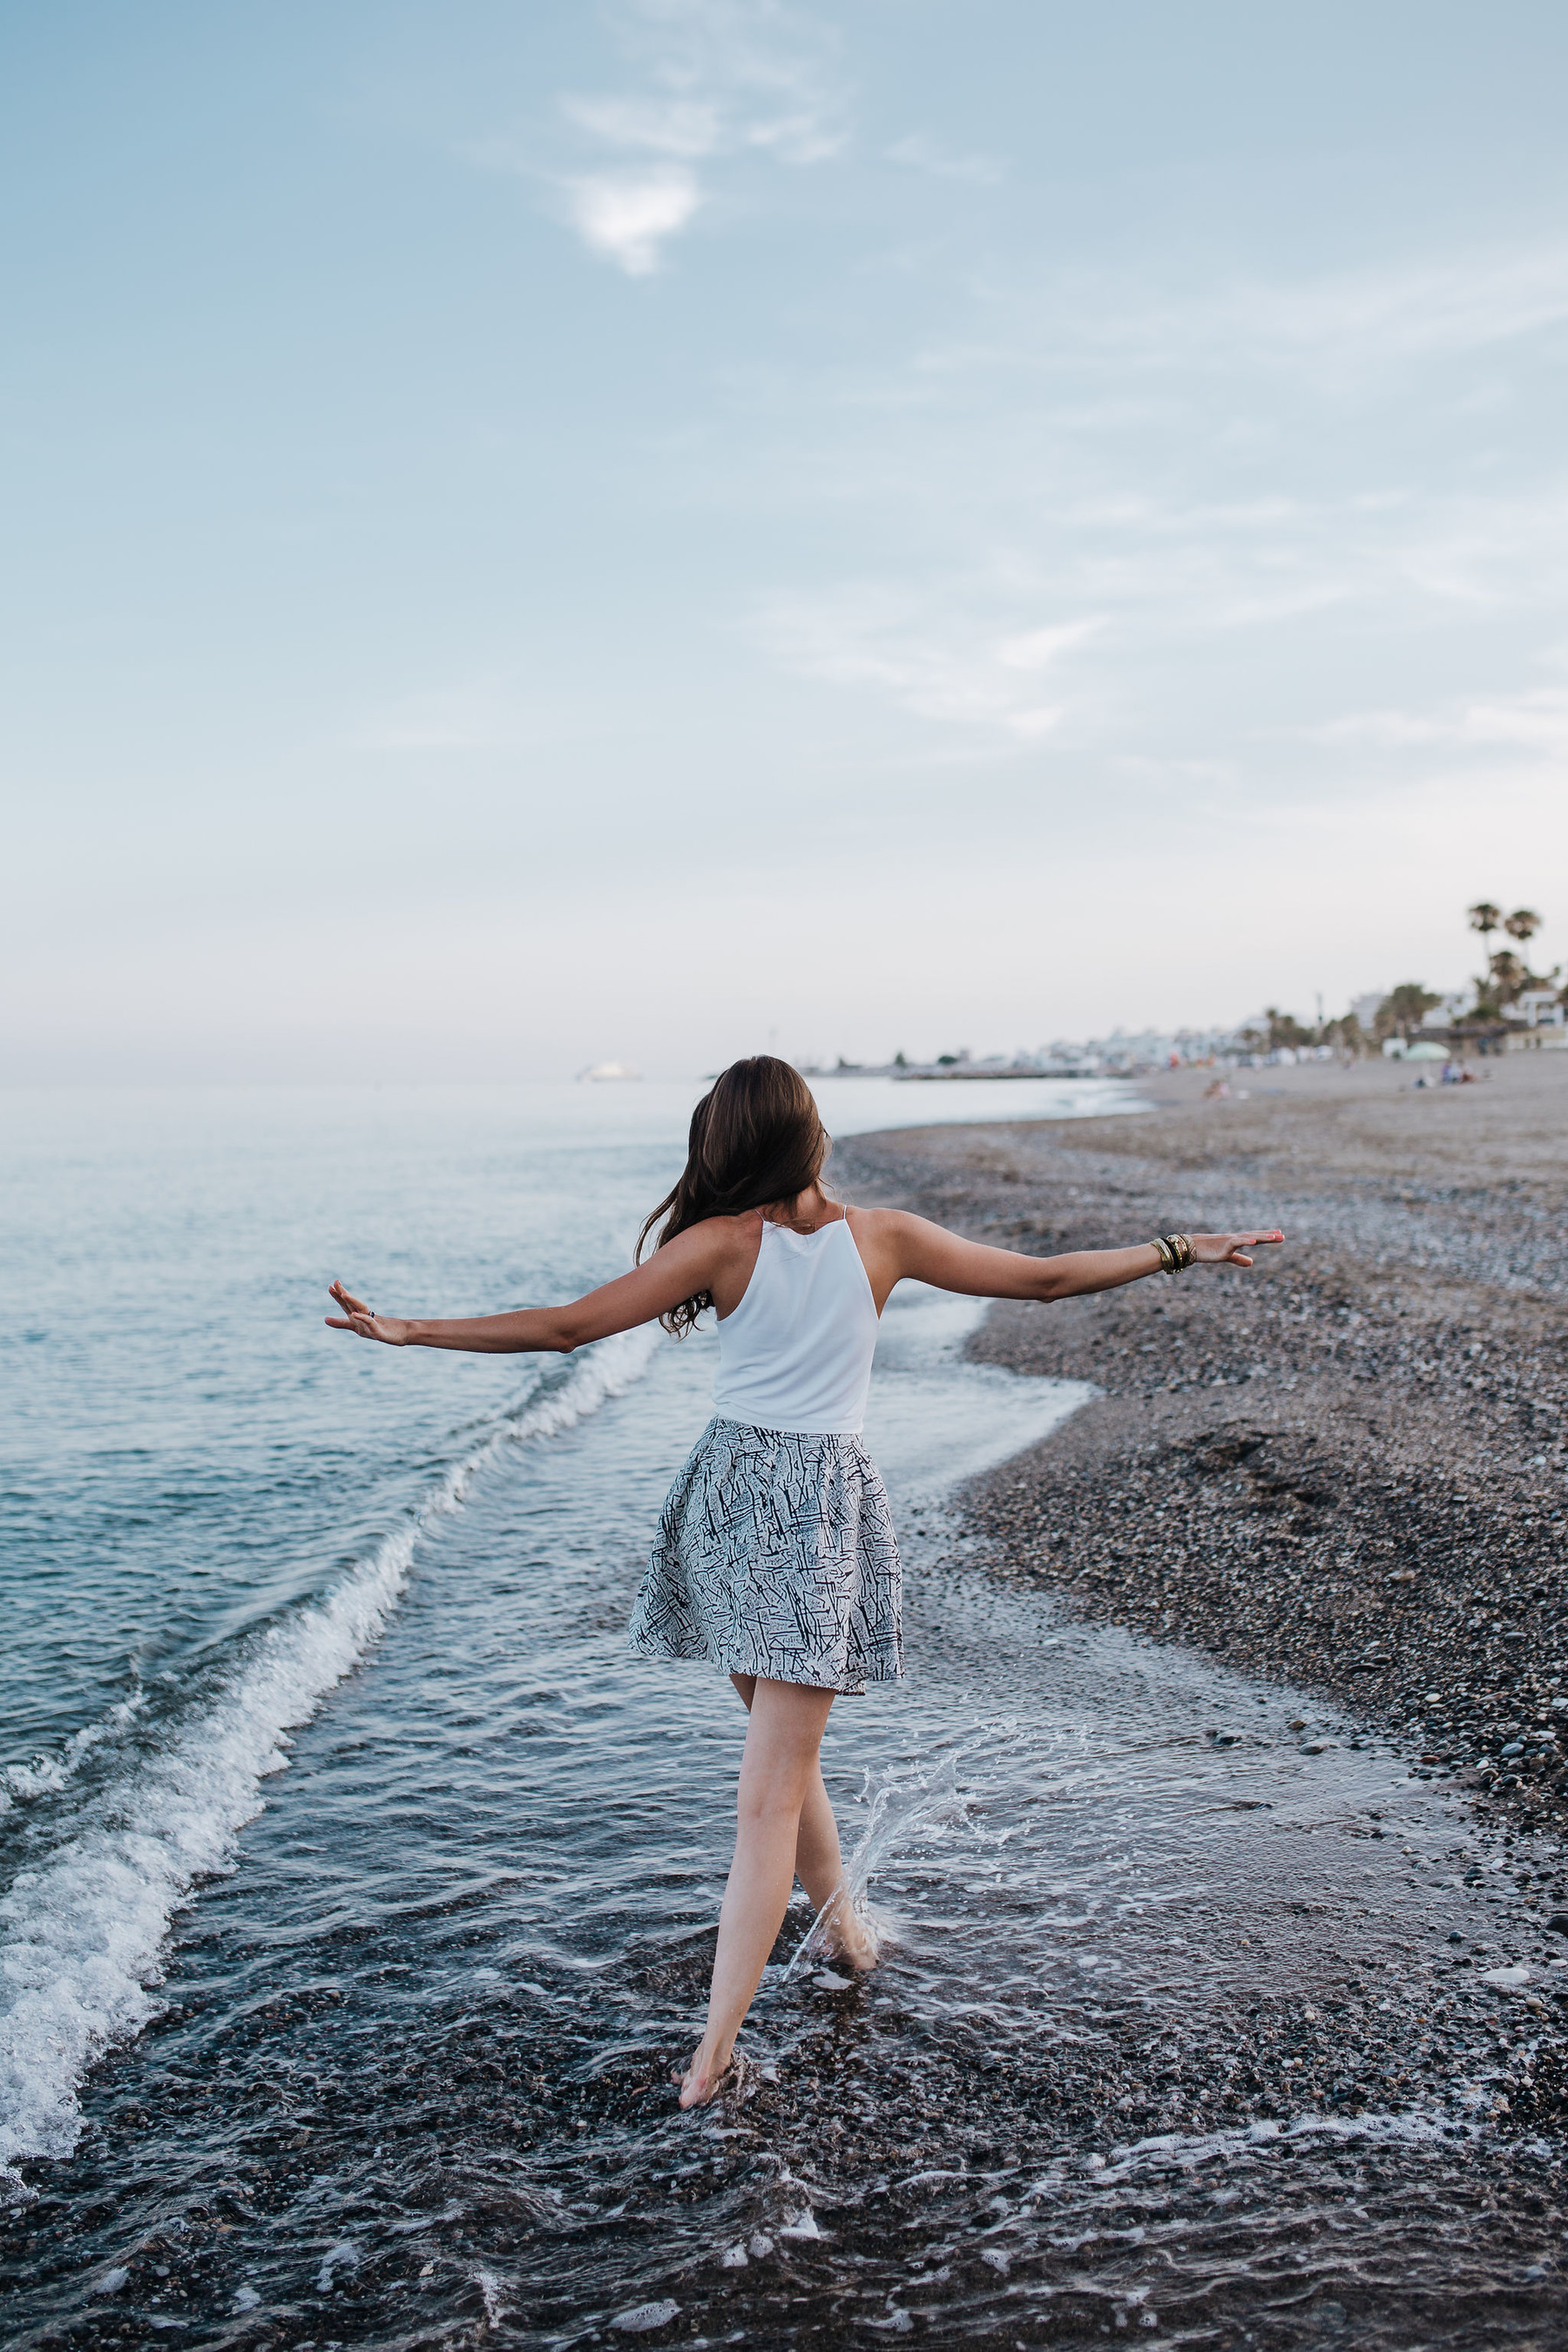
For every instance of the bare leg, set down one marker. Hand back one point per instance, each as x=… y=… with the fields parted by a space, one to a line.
x=819 y=1866
x=776 y=1770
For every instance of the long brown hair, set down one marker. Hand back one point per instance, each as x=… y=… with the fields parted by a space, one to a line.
x=755 y=1138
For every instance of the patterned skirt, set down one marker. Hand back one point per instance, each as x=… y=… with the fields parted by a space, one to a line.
x=775 y=1555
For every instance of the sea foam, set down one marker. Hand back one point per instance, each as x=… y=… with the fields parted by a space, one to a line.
x=82 y=1932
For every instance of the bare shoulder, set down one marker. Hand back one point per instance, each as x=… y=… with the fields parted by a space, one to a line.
x=893 y=1237
x=890 y=1224
x=716 y=1240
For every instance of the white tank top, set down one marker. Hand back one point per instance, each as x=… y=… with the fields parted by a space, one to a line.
x=796 y=1352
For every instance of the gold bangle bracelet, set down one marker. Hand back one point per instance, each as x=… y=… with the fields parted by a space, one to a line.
x=1167 y=1256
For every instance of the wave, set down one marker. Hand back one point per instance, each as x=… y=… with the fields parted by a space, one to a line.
x=81 y=1935
x=46 y=1775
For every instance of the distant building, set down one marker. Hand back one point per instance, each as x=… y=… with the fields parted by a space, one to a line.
x=1448 y=1009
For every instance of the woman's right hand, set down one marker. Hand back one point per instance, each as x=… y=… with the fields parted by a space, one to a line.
x=1230 y=1249
x=392 y=1330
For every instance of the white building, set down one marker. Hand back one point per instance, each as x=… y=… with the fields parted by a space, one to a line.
x=1449 y=1009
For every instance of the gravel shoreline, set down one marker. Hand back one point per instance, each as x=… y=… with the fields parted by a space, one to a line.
x=1347 y=1468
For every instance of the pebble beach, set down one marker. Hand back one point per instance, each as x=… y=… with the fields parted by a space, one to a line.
x=1346 y=1469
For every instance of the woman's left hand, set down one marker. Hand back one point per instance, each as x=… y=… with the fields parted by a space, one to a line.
x=392 y=1330
x=1229 y=1249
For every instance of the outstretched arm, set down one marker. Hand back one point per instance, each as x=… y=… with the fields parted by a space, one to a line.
x=903 y=1246
x=686 y=1267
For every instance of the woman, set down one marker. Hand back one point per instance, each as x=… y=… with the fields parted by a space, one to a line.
x=775 y=1557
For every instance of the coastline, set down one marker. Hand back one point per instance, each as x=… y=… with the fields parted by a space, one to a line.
x=1349 y=1468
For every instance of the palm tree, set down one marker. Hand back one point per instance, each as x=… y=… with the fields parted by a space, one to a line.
x=1523 y=926
x=1485 y=917
x=1404 y=1009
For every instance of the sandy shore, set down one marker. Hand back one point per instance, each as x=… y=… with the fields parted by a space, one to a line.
x=1350 y=1468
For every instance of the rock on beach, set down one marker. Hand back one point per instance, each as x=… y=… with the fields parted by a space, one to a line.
x=1349 y=1467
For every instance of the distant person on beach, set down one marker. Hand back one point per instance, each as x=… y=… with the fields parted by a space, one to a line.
x=775 y=1558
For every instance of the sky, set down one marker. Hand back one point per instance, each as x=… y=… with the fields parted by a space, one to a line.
x=678 y=527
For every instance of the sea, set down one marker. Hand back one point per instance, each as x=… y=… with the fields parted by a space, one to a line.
x=358 y=1889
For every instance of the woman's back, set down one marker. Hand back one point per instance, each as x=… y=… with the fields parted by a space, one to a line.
x=796 y=1352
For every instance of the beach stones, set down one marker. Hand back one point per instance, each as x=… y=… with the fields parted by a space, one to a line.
x=1382 y=1521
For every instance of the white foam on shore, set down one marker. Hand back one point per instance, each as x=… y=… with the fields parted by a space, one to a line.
x=46 y=1775
x=81 y=1935
x=1405 y=2128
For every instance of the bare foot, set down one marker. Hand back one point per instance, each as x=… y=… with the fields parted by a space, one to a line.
x=849 y=1939
x=703 y=2080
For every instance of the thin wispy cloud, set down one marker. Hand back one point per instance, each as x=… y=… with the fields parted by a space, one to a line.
x=954 y=666
x=1036 y=649
x=719 y=80
x=1333 y=328
x=1534 y=722
x=684 y=128
x=1467 y=303
x=1235 y=474
x=918 y=153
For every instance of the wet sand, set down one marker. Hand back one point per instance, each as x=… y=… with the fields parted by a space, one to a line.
x=1347 y=1468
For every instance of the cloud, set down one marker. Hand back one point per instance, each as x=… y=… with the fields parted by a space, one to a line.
x=769 y=73
x=952 y=666
x=721 y=79
x=919 y=153
x=1534 y=721
x=1201 y=530
x=1345 y=331
x=1467 y=303
x=1037 y=649
x=629 y=215
x=1379 y=730
x=687 y=128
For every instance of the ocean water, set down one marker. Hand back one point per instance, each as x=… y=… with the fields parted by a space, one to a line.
x=357 y=1890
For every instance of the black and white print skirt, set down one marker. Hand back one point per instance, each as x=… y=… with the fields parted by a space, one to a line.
x=775 y=1555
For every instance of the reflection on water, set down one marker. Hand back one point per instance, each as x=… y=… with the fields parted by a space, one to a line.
x=1183 y=2031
